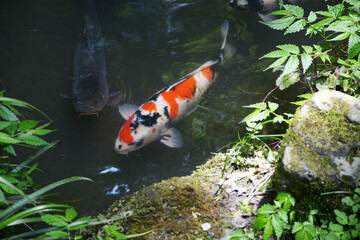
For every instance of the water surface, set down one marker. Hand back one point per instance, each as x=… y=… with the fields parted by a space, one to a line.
x=148 y=45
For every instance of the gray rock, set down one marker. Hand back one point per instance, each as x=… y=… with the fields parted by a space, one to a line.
x=322 y=148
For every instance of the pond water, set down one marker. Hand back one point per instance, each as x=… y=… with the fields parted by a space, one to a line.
x=148 y=45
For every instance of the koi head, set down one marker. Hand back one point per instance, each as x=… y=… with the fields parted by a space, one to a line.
x=134 y=135
x=89 y=96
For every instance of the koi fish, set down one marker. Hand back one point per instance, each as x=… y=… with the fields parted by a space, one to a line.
x=90 y=89
x=154 y=119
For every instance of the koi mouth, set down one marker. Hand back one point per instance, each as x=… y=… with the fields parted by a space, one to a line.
x=89 y=114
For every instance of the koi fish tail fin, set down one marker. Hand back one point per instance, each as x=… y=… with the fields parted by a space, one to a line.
x=226 y=51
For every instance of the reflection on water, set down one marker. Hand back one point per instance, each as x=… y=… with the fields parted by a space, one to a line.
x=148 y=45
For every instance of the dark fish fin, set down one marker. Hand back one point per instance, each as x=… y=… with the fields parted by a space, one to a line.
x=127 y=110
x=115 y=98
x=65 y=96
x=172 y=138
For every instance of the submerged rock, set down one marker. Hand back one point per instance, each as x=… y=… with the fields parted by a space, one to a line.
x=322 y=148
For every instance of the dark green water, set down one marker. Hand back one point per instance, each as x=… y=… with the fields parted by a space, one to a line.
x=148 y=45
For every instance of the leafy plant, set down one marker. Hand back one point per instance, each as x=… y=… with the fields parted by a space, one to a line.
x=334 y=60
x=240 y=235
x=279 y=219
x=17 y=207
x=275 y=218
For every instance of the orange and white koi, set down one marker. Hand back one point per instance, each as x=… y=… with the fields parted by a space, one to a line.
x=154 y=119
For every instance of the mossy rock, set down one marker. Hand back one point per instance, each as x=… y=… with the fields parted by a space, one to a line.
x=174 y=209
x=322 y=149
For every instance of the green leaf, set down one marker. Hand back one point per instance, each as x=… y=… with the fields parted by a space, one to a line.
x=276 y=54
x=280 y=24
x=340 y=26
x=286 y=80
x=281 y=12
x=297 y=227
x=308 y=49
x=353 y=220
x=312 y=17
x=278 y=226
x=261 y=105
x=6 y=114
x=34 y=141
x=333 y=236
x=70 y=214
x=27 y=125
x=53 y=220
x=31 y=197
x=291 y=65
x=273 y=106
x=336 y=11
x=354 y=50
x=296 y=10
x=277 y=63
x=336 y=227
x=266 y=209
x=341 y=217
x=261 y=221
x=268 y=231
x=305 y=234
x=6 y=139
x=290 y=48
x=4 y=124
x=10 y=149
x=57 y=234
x=347 y=201
x=306 y=61
x=340 y=37
x=296 y=26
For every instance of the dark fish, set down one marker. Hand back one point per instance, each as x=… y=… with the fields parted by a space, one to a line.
x=153 y=120
x=90 y=89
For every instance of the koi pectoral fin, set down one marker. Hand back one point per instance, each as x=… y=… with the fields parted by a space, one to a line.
x=172 y=138
x=127 y=110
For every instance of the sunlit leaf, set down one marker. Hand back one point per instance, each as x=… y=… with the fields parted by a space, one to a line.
x=336 y=11
x=277 y=63
x=308 y=49
x=260 y=222
x=281 y=12
x=340 y=37
x=280 y=24
x=312 y=17
x=276 y=54
x=268 y=230
x=273 y=106
x=296 y=26
x=53 y=220
x=266 y=209
x=306 y=61
x=290 y=48
x=291 y=65
x=296 y=10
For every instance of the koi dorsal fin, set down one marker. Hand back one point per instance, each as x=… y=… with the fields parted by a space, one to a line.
x=127 y=110
x=172 y=138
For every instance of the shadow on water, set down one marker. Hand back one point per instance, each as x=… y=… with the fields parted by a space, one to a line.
x=148 y=45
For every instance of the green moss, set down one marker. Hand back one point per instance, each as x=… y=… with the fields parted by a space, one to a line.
x=331 y=132
x=174 y=208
